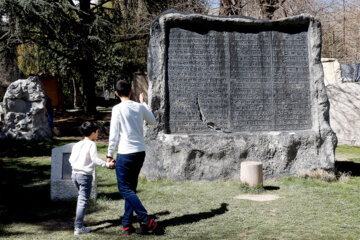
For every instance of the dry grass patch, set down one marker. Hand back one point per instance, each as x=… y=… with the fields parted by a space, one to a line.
x=325 y=175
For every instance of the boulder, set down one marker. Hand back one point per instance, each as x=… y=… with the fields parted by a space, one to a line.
x=25 y=114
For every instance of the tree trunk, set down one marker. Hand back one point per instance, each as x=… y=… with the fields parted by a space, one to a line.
x=88 y=80
x=74 y=92
x=86 y=64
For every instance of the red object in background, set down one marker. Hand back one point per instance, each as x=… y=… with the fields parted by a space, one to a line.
x=52 y=89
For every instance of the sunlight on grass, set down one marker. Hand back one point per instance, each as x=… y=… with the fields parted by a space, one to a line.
x=347 y=152
x=307 y=208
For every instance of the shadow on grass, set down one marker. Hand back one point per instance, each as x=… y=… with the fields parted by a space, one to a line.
x=190 y=218
x=25 y=197
x=117 y=222
x=195 y=217
x=181 y=220
x=31 y=148
x=112 y=196
x=271 y=188
x=348 y=167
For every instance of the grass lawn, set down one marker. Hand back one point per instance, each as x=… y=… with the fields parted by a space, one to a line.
x=306 y=209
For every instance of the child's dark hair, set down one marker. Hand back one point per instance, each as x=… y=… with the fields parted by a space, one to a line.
x=87 y=128
x=123 y=88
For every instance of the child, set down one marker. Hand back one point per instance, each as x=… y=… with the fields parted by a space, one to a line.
x=83 y=159
x=126 y=133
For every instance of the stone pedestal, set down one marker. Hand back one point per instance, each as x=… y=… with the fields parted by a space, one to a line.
x=61 y=185
x=251 y=173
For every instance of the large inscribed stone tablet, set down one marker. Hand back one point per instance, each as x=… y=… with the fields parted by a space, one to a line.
x=238 y=80
x=225 y=90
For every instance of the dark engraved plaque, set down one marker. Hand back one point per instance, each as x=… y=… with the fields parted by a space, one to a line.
x=66 y=167
x=234 y=81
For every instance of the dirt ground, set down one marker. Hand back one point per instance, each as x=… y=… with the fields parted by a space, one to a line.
x=68 y=123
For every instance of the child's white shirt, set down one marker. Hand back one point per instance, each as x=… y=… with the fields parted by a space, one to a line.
x=84 y=157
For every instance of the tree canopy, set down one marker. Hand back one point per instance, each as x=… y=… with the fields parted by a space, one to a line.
x=339 y=19
x=82 y=41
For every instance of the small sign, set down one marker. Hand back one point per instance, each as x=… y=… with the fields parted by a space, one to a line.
x=66 y=166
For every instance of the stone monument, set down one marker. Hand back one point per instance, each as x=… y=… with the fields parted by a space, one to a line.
x=231 y=89
x=345 y=112
x=25 y=115
x=61 y=185
x=332 y=71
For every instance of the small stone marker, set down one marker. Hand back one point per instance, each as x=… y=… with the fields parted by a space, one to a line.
x=251 y=173
x=62 y=187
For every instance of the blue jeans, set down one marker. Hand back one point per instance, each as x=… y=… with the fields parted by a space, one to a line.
x=83 y=184
x=127 y=172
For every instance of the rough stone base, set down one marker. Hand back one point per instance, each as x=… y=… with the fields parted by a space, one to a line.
x=182 y=157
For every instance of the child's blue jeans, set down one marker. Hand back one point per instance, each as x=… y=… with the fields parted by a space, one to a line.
x=83 y=184
x=127 y=172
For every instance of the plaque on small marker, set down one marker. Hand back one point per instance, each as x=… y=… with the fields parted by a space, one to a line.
x=66 y=166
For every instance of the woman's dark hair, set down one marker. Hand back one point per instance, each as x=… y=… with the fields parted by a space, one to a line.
x=123 y=88
x=87 y=128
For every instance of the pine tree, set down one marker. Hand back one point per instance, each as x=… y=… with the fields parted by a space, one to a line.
x=73 y=36
x=92 y=41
